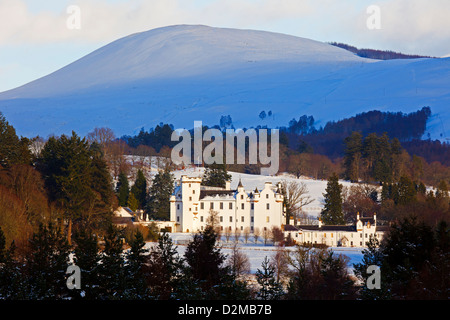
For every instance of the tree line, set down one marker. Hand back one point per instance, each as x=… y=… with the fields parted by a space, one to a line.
x=412 y=260
x=377 y=54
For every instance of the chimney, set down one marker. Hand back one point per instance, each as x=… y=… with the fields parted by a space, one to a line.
x=227 y=185
x=320 y=222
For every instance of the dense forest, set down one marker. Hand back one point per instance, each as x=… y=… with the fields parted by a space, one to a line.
x=318 y=152
x=377 y=54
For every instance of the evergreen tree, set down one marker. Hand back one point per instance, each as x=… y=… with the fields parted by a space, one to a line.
x=14 y=283
x=204 y=259
x=123 y=189
x=404 y=192
x=87 y=258
x=352 y=156
x=414 y=262
x=332 y=212
x=158 y=206
x=47 y=264
x=216 y=175
x=76 y=179
x=164 y=270
x=136 y=287
x=270 y=288
x=12 y=149
x=442 y=190
x=111 y=271
x=139 y=189
x=132 y=203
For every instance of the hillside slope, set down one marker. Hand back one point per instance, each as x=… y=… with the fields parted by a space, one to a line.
x=181 y=74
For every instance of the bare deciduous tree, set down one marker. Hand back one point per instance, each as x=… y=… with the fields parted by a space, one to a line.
x=295 y=198
x=213 y=221
x=246 y=234
x=256 y=234
x=239 y=261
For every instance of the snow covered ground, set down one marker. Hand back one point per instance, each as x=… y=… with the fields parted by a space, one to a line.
x=256 y=252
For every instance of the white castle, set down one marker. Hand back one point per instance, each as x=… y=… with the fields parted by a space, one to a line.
x=192 y=204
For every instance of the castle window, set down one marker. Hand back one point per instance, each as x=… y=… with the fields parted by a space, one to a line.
x=242 y=219
x=252 y=206
x=267 y=206
x=242 y=206
x=211 y=205
x=230 y=205
x=178 y=207
x=267 y=196
x=202 y=205
x=231 y=219
x=267 y=219
x=221 y=205
x=201 y=218
x=252 y=219
x=221 y=219
x=242 y=197
x=193 y=191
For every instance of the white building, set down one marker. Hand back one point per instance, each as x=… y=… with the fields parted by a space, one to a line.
x=191 y=204
x=356 y=235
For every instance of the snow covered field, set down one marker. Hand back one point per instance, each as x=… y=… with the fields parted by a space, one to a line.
x=256 y=252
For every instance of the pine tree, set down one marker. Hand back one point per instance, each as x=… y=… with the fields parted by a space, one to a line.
x=112 y=272
x=132 y=203
x=164 y=270
x=12 y=149
x=332 y=212
x=270 y=288
x=123 y=189
x=136 y=287
x=353 y=155
x=404 y=192
x=158 y=206
x=87 y=257
x=47 y=264
x=204 y=259
x=139 y=189
x=216 y=175
x=66 y=164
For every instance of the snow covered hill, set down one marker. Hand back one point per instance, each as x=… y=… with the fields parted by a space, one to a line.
x=186 y=73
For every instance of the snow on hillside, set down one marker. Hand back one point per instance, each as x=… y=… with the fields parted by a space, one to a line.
x=182 y=74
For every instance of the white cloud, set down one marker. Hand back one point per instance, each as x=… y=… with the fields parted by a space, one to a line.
x=406 y=24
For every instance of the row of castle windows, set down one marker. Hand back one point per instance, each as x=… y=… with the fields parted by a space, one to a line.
x=230 y=206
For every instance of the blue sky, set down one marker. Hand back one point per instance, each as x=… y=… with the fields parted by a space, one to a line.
x=35 y=39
